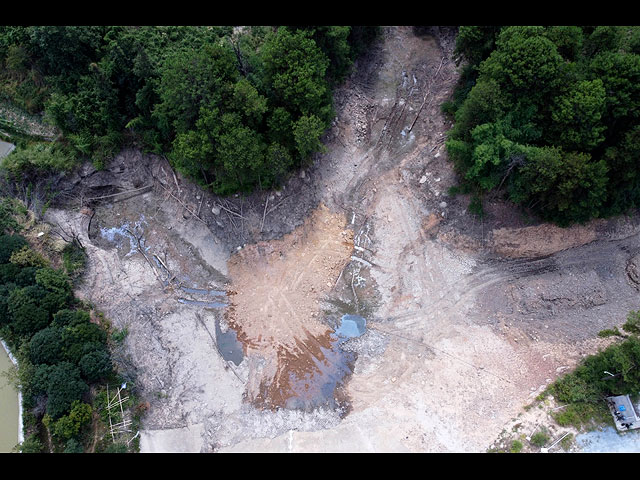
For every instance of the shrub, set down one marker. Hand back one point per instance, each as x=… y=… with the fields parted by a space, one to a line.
x=68 y=317
x=96 y=365
x=70 y=425
x=73 y=446
x=116 y=448
x=632 y=325
x=539 y=439
x=31 y=444
x=38 y=158
x=46 y=346
x=27 y=257
x=10 y=244
x=73 y=259
x=28 y=315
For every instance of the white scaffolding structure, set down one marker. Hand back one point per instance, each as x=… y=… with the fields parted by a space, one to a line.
x=114 y=406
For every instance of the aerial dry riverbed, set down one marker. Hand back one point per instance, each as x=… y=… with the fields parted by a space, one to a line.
x=358 y=309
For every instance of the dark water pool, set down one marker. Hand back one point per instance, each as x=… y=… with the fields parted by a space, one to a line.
x=321 y=382
x=229 y=345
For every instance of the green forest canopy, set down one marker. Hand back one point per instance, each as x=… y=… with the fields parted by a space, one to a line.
x=62 y=353
x=232 y=109
x=549 y=117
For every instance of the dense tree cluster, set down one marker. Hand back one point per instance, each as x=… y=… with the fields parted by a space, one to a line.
x=235 y=109
x=549 y=116
x=60 y=351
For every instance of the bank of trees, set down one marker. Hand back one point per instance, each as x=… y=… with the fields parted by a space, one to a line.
x=549 y=117
x=61 y=352
x=234 y=110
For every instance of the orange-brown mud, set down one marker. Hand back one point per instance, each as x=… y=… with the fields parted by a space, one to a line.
x=277 y=289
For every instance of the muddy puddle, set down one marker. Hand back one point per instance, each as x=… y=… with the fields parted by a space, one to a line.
x=318 y=375
x=323 y=383
x=228 y=344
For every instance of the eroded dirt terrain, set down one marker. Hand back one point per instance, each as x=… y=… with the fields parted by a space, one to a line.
x=467 y=320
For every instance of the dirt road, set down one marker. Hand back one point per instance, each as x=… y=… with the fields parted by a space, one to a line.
x=466 y=320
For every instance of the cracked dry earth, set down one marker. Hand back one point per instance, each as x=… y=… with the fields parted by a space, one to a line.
x=466 y=322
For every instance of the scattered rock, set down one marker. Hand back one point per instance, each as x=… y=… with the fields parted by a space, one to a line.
x=215 y=210
x=423 y=179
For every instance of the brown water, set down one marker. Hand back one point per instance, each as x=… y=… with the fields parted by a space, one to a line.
x=9 y=412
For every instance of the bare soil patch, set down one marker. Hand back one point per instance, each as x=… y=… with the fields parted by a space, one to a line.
x=277 y=289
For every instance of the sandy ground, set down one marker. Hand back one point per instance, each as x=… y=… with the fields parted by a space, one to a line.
x=467 y=320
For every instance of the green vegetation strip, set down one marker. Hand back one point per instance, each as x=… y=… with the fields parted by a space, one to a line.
x=62 y=347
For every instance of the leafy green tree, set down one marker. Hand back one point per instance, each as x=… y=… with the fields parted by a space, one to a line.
x=564 y=187
x=249 y=102
x=25 y=305
x=475 y=43
x=81 y=339
x=38 y=381
x=568 y=40
x=525 y=63
x=241 y=155
x=623 y=160
x=5 y=291
x=31 y=444
x=552 y=116
x=307 y=132
x=66 y=51
x=8 y=272
x=54 y=280
x=620 y=74
x=46 y=346
x=96 y=365
x=493 y=151
x=70 y=425
x=190 y=80
x=10 y=244
x=604 y=38
x=577 y=116
x=38 y=159
x=64 y=387
x=295 y=68
x=27 y=257
x=334 y=43
x=25 y=276
x=67 y=317
x=280 y=127
x=484 y=104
